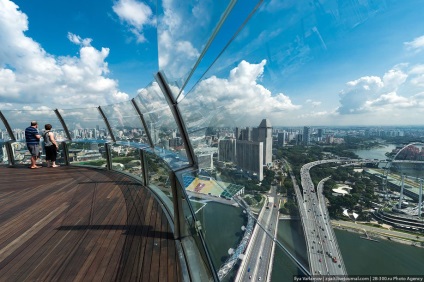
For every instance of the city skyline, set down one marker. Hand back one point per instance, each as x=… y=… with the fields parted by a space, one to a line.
x=80 y=64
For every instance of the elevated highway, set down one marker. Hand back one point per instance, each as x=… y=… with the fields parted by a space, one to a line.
x=324 y=254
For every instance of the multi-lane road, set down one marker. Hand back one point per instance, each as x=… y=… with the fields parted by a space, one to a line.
x=323 y=251
x=258 y=258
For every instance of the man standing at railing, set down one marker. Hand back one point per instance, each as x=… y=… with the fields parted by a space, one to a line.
x=32 y=138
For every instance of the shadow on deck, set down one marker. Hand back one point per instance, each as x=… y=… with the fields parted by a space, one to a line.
x=82 y=224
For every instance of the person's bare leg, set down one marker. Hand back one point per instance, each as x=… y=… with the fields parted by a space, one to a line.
x=33 y=162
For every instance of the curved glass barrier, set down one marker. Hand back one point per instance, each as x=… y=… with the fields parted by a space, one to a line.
x=127 y=159
x=85 y=124
x=89 y=153
x=180 y=45
x=125 y=123
x=162 y=127
x=158 y=173
x=19 y=120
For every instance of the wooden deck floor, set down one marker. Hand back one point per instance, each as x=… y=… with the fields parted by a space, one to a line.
x=81 y=224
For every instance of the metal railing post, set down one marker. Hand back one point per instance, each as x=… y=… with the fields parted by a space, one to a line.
x=179 y=222
x=108 y=157
x=66 y=152
x=8 y=128
x=173 y=105
x=144 y=170
x=10 y=155
x=143 y=121
x=64 y=126
x=109 y=128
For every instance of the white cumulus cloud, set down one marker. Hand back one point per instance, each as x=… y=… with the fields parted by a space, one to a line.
x=240 y=95
x=136 y=14
x=29 y=75
x=417 y=44
x=395 y=91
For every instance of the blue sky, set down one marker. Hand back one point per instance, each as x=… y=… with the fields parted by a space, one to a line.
x=294 y=62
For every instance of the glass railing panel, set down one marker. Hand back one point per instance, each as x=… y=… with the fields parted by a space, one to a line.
x=127 y=159
x=21 y=119
x=158 y=174
x=180 y=44
x=125 y=122
x=89 y=153
x=4 y=160
x=161 y=125
x=85 y=124
x=223 y=222
x=21 y=154
x=232 y=22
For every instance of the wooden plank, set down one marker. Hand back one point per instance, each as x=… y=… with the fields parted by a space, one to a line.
x=79 y=255
x=94 y=244
x=163 y=261
x=72 y=228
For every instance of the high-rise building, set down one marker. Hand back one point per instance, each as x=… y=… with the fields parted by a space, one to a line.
x=250 y=157
x=306 y=135
x=265 y=136
x=246 y=134
x=227 y=150
x=237 y=133
x=282 y=138
x=321 y=132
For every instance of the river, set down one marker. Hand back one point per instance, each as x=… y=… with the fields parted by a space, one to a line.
x=222 y=230
x=375 y=153
x=361 y=257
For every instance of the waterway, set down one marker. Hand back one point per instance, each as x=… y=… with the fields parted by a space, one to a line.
x=222 y=229
x=375 y=153
x=412 y=170
x=361 y=257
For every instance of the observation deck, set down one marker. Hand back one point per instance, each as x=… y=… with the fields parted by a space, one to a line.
x=82 y=224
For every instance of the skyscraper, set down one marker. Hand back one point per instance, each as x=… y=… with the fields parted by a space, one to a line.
x=250 y=157
x=265 y=136
x=306 y=135
x=227 y=150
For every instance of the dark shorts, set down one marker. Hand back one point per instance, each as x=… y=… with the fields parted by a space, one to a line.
x=34 y=150
x=51 y=153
